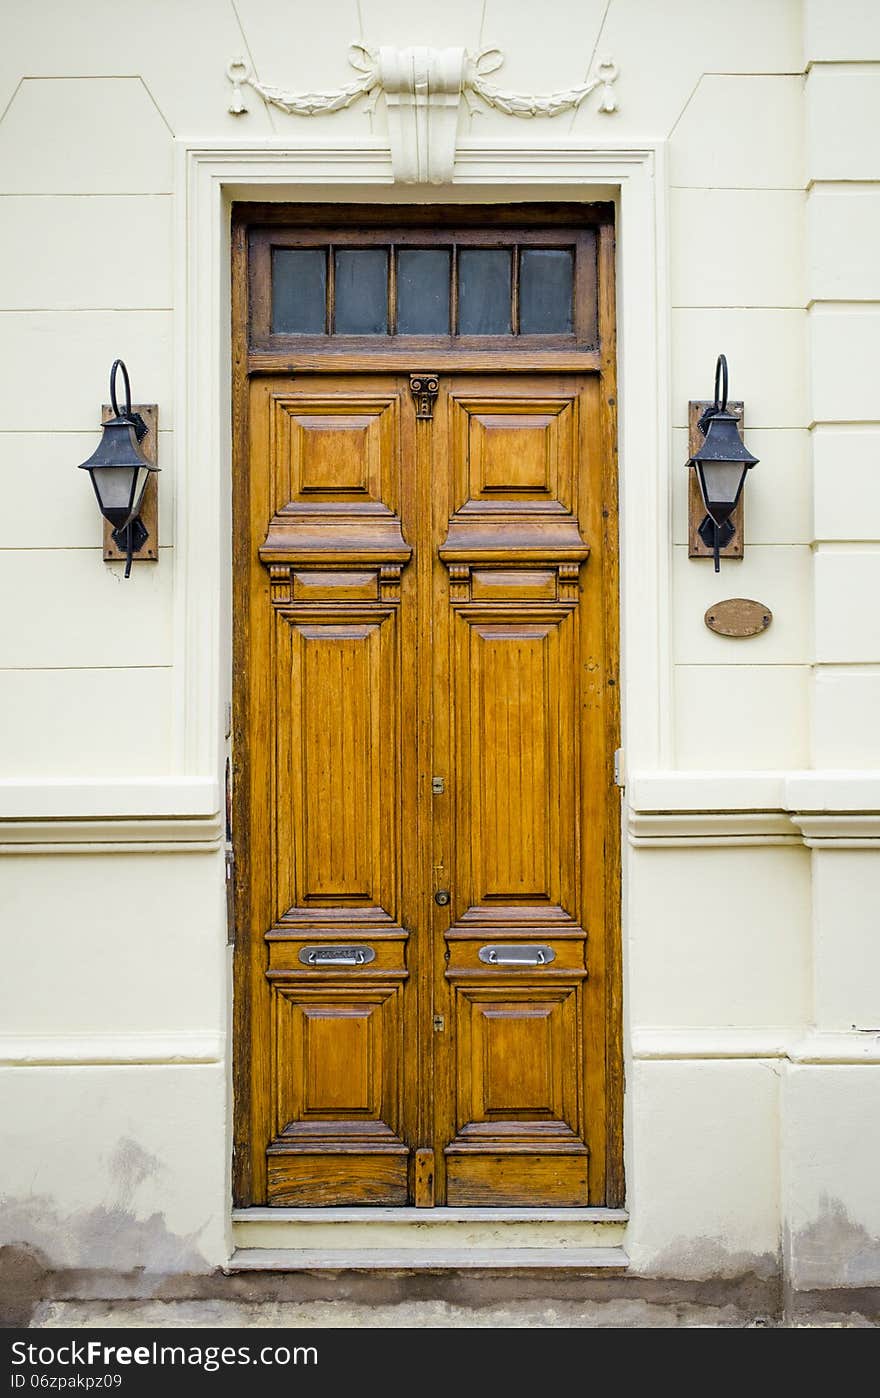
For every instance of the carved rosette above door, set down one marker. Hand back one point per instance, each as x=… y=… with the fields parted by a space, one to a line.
x=423 y=90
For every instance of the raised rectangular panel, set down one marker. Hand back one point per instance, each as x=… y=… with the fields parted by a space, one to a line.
x=737 y=247
x=843 y=111
x=513 y=584
x=846 y=950
x=152 y=909
x=67 y=614
x=517 y=1096
x=847 y=620
x=844 y=346
x=54 y=138
x=336 y=587
x=334 y=450
x=337 y=1095
x=517 y=792
x=711 y=700
x=337 y=1054
x=704 y=1166
x=846 y=30
x=79 y=376
x=49 y=246
x=337 y=713
x=768 y=152
x=158 y=1134
x=722 y=936
x=846 y=703
x=779 y=577
x=515 y=450
x=85 y=723
x=765 y=351
x=831 y=1147
x=843 y=234
x=777 y=499
x=40 y=466
x=846 y=483
x=517 y=1054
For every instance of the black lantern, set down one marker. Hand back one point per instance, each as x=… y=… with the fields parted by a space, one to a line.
x=120 y=471
x=721 y=464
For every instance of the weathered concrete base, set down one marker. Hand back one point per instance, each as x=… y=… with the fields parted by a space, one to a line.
x=32 y=1295
x=620 y=1314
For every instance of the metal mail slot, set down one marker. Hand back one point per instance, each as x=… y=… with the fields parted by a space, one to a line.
x=337 y=956
x=515 y=955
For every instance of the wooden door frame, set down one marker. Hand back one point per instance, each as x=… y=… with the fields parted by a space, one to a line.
x=245 y=364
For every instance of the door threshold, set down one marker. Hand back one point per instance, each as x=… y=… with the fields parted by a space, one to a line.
x=326 y=1232
x=465 y=1258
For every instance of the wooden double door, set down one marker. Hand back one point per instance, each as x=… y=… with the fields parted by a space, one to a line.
x=427 y=850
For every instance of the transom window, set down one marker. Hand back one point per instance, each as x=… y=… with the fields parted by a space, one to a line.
x=418 y=286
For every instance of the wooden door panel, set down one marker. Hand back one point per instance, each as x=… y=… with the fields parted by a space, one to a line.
x=336 y=622
x=339 y=743
x=516 y=761
x=423 y=700
x=515 y=546
x=428 y=662
x=338 y=1057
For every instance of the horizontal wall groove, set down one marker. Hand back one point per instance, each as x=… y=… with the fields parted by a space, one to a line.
x=175 y=1048
x=793 y=1045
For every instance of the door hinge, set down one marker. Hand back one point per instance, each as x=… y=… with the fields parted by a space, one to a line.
x=619 y=769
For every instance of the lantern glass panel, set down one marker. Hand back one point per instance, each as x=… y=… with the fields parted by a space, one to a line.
x=721 y=482
x=113 y=488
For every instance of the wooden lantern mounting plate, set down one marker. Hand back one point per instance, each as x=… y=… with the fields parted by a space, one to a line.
x=150 y=506
x=696 y=508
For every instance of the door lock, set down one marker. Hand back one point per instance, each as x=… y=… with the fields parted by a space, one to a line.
x=441 y=897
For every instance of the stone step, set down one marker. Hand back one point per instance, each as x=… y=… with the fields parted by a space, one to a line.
x=409 y=1229
x=429 y=1259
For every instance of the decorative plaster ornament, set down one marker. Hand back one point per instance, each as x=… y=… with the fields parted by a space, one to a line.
x=423 y=89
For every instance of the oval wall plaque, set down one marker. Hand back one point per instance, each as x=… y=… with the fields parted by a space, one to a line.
x=738 y=616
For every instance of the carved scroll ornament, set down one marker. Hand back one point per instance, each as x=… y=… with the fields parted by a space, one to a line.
x=423 y=89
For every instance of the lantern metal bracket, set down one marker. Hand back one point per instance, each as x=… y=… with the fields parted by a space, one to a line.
x=700 y=529
x=144 y=549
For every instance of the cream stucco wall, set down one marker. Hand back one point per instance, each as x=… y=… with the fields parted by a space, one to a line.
x=750 y=846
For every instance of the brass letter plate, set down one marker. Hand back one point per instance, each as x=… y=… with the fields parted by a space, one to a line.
x=738 y=616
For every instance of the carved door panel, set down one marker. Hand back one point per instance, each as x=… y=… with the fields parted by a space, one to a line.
x=428 y=661
x=332 y=636
x=519 y=619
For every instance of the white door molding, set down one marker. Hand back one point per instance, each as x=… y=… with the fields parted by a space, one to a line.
x=209 y=178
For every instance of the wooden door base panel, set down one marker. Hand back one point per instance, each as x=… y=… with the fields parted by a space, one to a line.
x=573 y=1261
x=376 y=1175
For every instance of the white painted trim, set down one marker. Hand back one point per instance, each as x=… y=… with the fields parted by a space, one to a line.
x=104 y=798
x=671 y=829
x=791 y=1044
x=824 y=809
x=179 y=1046
x=149 y=815
x=209 y=176
x=677 y=791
